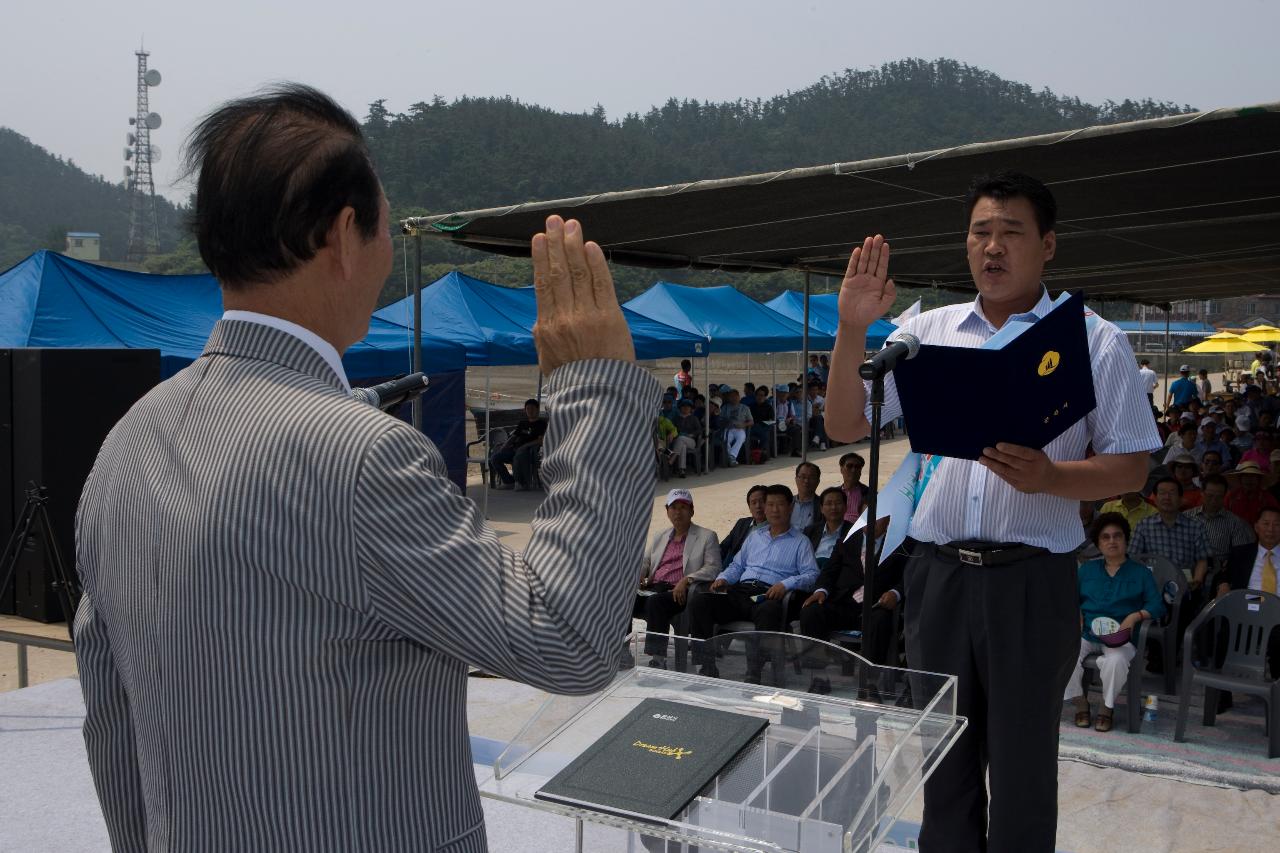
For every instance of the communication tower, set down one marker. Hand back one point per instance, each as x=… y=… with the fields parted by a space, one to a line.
x=144 y=224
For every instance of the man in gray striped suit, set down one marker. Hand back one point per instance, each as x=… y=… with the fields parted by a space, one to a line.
x=990 y=589
x=272 y=642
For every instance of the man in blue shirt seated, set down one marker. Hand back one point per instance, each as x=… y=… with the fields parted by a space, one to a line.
x=772 y=561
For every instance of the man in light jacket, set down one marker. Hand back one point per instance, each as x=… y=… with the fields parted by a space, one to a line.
x=678 y=557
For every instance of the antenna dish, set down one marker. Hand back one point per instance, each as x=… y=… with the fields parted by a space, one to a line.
x=152 y=77
x=132 y=120
x=127 y=173
x=129 y=139
x=153 y=121
x=128 y=153
x=155 y=153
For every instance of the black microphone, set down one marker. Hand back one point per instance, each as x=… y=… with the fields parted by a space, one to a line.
x=905 y=347
x=392 y=393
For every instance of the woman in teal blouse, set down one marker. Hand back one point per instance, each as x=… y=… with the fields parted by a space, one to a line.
x=1118 y=588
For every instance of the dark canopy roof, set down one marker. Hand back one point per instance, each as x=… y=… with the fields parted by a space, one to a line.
x=1152 y=211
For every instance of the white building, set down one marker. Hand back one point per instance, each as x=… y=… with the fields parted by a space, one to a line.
x=84 y=245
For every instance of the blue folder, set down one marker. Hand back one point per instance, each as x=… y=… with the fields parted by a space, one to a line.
x=958 y=400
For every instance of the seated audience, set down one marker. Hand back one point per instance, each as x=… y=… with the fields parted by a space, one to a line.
x=520 y=449
x=1260 y=453
x=743 y=527
x=836 y=603
x=738 y=420
x=1118 y=588
x=1183 y=468
x=761 y=434
x=1224 y=529
x=1210 y=464
x=678 y=557
x=771 y=563
x=814 y=408
x=855 y=491
x=1246 y=497
x=1254 y=567
x=688 y=431
x=787 y=423
x=1177 y=537
x=804 y=508
x=1208 y=441
x=1132 y=506
x=1186 y=443
x=831 y=528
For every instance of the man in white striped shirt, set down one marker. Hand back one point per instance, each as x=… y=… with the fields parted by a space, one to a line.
x=991 y=589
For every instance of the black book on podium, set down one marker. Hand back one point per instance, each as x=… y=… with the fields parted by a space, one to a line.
x=958 y=400
x=655 y=760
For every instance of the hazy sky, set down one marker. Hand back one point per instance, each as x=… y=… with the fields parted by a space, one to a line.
x=68 y=68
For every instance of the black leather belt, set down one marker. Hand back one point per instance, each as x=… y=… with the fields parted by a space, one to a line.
x=989 y=553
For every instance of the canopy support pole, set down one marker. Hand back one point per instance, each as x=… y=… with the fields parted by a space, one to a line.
x=706 y=414
x=488 y=451
x=416 y=408
x=773 y=395
x=804 y=377
x=1167 y=340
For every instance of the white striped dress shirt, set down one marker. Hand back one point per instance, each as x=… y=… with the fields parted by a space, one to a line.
x=964 y=500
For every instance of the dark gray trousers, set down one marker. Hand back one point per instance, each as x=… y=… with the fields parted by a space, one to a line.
x=1011 y=634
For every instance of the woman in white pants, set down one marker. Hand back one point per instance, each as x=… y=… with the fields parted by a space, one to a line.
x=1112 y=587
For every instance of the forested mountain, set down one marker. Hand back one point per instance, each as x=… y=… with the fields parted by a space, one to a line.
x=43 y=196
x=479 y=152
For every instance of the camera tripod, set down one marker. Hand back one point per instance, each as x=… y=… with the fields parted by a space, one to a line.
x=65 y=584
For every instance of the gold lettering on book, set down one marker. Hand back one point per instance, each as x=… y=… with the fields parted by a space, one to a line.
x=676 y=752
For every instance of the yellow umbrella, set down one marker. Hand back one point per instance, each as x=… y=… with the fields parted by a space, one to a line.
x=1262 y=335
x=1225 y=342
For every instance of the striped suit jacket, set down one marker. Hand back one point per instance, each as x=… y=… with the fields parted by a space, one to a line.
x=283 y=591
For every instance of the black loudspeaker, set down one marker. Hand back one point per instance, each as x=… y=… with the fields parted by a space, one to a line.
x=57 y=407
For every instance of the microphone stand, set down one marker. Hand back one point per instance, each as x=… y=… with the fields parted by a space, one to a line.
x=870 y=564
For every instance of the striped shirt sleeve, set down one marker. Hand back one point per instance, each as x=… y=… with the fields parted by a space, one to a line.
x=554 y=616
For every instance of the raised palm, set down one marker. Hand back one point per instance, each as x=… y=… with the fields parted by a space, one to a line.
x=867 y=293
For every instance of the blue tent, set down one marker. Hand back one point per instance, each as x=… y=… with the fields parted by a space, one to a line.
x=824 y=315
x=1156 y=327
x=727 y=319
x=495 y=323
x=50 y=300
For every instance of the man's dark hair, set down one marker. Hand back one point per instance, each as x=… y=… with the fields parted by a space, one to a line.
x=1108 y=519
x=849 y=456
x=1164 y=480
x=686 y=364
x=1209 y=453
x=1145 y=361
x=832 y=490
x=1188 y=427
x=1002 y=186
x=804 y=465
x=758 y=488
x=274 y=170
x=1267 y=509
x=779 y=489
x=1215 y=480
x=534 y=403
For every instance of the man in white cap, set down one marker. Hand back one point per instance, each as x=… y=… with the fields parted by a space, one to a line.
x=1183 y=390
x=678 y=557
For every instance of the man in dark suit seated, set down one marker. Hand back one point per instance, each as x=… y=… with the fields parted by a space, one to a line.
x=830 y=528
x=1254 y=566
x=836 y=603
x=731 y=544
x=520 y=450
x=772 y=562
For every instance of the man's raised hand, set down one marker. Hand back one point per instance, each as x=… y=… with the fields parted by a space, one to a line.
x=867 y=292
x=578 y=313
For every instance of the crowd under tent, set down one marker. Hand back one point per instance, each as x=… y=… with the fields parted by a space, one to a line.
x=1152 y=212
x=824 y=314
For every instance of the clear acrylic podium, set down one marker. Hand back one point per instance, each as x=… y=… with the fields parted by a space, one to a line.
x=847 y=747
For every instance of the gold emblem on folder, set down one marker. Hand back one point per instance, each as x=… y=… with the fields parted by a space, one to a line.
x=676 y=752
x=1049 y=363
